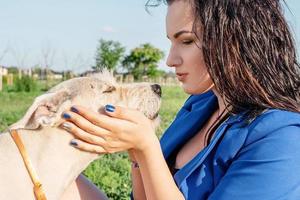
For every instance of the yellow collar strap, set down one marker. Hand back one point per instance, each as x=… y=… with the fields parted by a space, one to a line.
x=37 y=188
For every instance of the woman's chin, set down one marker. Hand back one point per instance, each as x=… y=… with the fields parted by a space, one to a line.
x=188 y=90
x=193 y=90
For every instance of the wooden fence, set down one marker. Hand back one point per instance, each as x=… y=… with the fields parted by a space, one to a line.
x=9 y=80
x=168 y=81
x=159 y=80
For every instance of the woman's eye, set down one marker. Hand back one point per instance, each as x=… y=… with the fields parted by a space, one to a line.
x=187 y=41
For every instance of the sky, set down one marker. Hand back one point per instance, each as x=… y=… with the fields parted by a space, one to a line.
x=68 y=31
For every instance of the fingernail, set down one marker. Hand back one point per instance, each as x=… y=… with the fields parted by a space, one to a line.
x=66 y=116
x=73 y=109
x=66 y=126
x=73 y=143
x=110 y=108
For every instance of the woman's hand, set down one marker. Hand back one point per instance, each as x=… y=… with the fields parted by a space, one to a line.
x=120 y=129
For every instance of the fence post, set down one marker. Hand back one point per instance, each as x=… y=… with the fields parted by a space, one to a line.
x=0 y=81
x=10 y=79
x=119 y=78
x=129 y=78
x=145 y=79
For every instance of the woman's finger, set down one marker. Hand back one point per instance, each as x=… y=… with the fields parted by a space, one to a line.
x=81 y=134
x=87 y=147
x=124 y=113
x=97 y=119
x=85 y=124
x=95 y=148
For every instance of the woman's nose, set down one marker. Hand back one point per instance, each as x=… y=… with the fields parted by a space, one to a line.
x=173 y=59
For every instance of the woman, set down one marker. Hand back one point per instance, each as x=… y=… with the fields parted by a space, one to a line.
x=237 y=135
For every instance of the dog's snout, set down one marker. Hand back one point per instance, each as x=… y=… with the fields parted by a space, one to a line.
x=157 y=89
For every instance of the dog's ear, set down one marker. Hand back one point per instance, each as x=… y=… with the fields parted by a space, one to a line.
x=44 y=111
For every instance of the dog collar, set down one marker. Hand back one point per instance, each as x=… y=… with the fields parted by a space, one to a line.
x=37 y=186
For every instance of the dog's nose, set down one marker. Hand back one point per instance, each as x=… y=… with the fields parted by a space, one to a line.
x=157 y=89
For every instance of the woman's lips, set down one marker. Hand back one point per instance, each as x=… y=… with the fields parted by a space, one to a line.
x=181 y=76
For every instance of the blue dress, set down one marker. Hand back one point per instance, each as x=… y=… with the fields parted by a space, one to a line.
x=255 y=161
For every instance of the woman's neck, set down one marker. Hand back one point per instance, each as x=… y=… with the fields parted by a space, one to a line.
x=222 y=103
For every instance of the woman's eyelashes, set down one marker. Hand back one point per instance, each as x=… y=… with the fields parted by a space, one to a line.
x=187 y=42
x=182 y=42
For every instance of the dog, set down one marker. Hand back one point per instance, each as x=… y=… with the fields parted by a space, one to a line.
x=56 y=163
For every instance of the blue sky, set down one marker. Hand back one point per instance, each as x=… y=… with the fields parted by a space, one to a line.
x=70 y=29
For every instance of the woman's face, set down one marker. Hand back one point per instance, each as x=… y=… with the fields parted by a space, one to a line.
x=186 y=54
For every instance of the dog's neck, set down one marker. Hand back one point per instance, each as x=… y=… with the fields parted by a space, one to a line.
x=56 y=163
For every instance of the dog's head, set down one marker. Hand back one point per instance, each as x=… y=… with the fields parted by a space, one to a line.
x=93 y=93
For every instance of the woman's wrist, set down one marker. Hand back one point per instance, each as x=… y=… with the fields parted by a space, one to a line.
x=134 y=163
x=147 y=144
x=131 y=155
x=147 y=152
x=136 y=155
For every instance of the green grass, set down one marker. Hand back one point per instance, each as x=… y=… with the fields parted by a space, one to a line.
x=13 y=105
x=172 y=99
x=111 y=173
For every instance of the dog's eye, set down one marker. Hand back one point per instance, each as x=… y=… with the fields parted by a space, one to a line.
x=92 y=86
x=109 y=89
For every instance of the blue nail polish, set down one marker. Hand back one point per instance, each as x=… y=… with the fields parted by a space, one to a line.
x=73 y=109
x=66 y=116
x=73 y=143
x=110 y=108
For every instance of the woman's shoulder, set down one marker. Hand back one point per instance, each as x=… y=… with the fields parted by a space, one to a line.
x=276 y=114
x=274 y=121
x=259 y=158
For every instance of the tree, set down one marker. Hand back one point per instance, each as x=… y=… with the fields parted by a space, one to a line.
x=143 y=61
x=108 y=54
x=48 y=55
x=21 y=57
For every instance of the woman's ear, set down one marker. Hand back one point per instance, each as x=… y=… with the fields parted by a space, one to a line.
x=44 y=111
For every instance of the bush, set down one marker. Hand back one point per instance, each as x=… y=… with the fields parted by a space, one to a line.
x=25 y=84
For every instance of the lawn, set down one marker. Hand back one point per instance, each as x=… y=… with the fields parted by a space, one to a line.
x=111 y=173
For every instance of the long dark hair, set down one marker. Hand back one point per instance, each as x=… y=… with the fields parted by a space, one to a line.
x=249 y=52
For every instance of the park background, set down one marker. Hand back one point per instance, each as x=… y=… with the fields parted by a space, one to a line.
x=45 y=42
